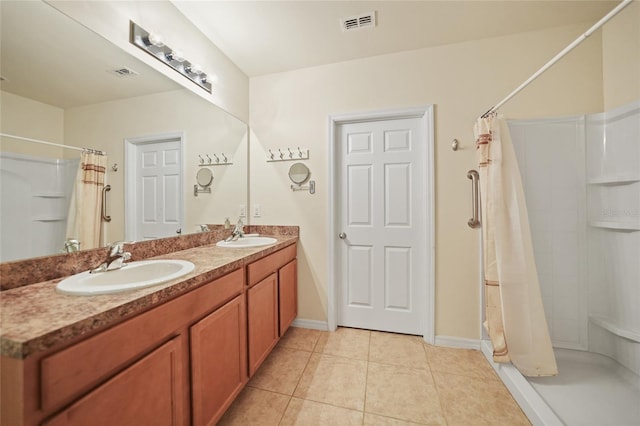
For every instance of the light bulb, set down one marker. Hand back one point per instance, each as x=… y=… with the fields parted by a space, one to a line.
x=175 y=55
x=195 y=69
x=155 y=39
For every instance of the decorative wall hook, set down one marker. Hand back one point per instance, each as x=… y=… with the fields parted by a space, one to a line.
x=114 y=167
x=301 y=154
x=209 y=162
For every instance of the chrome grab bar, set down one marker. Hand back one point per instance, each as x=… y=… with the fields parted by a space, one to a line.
x=474 y=222
x=104 y=203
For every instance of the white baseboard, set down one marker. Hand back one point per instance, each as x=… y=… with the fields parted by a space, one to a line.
x=535 y=408
x=457 y=342
x=312 y=324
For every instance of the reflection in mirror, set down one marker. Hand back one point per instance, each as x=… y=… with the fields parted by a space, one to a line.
x=62 y=83
x=204 y=177
x=298 y=173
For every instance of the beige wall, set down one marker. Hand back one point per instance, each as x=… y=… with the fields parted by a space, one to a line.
x=207 y=130
x=110 y=19
x=30 y=119
x=463 y=81
x=621 y=57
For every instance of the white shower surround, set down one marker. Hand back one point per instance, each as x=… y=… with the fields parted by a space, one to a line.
x=587 y=246
x=34 y=204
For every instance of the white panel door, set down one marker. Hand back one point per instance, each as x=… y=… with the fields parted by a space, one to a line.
x=158 y=190
x=383 y=186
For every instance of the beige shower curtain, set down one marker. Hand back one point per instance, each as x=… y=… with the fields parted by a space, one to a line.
x=85 y=210
x=515 y=317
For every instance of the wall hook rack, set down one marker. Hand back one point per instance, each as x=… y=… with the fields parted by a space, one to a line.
x=287 y=154
x=216 y=160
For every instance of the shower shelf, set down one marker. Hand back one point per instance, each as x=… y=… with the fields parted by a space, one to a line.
x=618 y=331
x=616 y=225
x=48 y=194
x=613 y=180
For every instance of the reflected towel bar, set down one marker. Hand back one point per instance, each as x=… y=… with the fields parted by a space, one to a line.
x=474 y=222
x=104 y=203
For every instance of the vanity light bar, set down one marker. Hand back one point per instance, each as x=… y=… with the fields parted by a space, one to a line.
x=154 y=45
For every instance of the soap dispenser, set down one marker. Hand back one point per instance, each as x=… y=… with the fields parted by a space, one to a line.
x=227 y=224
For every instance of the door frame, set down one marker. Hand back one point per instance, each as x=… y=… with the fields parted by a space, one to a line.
x=130 y=148
x=425 y=114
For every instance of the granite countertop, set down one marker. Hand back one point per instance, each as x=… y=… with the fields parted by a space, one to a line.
x=36 y=317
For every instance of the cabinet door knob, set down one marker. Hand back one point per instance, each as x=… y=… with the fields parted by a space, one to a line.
x=342 y=235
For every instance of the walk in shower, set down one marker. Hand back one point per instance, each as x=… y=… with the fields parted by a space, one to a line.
x=581 y=177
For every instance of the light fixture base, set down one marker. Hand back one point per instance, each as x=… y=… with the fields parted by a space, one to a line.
x=140 y=37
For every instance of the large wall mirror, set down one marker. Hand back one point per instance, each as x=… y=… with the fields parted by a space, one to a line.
x=64 y=84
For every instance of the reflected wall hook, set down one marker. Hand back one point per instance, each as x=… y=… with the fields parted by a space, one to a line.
x=209 y=158
x=201 y=159
x=217 y=158
x=225 y=157
x=454 y=145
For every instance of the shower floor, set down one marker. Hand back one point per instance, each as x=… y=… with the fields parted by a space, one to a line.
x=591 y=389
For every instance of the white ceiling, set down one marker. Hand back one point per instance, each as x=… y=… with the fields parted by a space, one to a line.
x=48 y=57
x=264 y=37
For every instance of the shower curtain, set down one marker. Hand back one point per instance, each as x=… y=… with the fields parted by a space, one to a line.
x=514 y=315
x=86 y=201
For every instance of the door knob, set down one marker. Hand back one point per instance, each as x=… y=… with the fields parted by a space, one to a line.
x=342 y=235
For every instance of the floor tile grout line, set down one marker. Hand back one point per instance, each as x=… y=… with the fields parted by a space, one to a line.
x=435 y=384
x=366 y=381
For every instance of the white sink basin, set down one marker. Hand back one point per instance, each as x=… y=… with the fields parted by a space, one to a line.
x=134 y=275
x=244 y=242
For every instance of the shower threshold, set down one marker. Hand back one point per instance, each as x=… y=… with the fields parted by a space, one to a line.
x=590 y=389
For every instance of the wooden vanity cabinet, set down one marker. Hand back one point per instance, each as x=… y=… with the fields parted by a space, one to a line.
x=287 y=295
x=138 y=371
x=182 y=362
x=262 y=302
x=148 y=392
x=272 y=302
x=218 y=361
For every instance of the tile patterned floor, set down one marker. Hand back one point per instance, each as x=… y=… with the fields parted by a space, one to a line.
x=360 y=377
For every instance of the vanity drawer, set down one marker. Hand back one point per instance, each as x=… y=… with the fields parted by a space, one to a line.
x=262 y=268
x=79 y=368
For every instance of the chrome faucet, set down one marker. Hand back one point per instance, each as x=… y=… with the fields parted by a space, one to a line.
x=238 y=232
x=204 y=228
x=116 y=260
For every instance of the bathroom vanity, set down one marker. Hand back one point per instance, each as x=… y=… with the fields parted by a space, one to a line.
x=178 y=353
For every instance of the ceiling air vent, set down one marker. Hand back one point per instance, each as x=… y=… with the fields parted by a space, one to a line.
x=361 y=21
x=123 y=72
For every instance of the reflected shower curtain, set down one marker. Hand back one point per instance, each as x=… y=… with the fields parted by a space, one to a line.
x=85 y=210
x=514 y=313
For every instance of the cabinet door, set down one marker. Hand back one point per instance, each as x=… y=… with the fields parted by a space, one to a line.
x=148 y=392
x=218 y=361
x=288 y=294
x=262 y=305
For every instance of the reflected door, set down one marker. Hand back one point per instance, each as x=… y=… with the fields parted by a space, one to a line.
x=383 y=179
x=156 y=185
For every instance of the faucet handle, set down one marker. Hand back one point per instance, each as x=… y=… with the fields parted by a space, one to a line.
x=117 y=248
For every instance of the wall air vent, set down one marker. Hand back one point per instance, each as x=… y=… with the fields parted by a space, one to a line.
x=365 y=20
x=123 y=72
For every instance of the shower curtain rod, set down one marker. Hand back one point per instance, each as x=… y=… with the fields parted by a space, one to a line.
x=95 y=151
x=560 y=55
